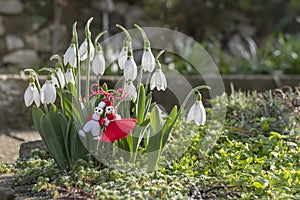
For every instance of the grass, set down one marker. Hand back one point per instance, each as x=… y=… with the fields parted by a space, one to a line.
x=256 y=157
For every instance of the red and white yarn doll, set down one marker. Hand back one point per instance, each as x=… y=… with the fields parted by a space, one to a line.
x=116 y=128
x=94 y=122
x=110 y=112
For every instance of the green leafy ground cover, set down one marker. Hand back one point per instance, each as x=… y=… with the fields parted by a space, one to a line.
x=256 y=157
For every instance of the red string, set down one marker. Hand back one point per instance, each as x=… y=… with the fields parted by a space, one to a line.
x=108 y=95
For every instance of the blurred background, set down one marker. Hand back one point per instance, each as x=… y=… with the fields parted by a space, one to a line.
x=242 y=36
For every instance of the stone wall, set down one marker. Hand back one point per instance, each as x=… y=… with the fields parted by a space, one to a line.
x=27 y=27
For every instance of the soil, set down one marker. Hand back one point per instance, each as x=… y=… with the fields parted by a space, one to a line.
x=10 y=142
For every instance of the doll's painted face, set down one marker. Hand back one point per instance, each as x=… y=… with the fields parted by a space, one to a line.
x=109 y=110
x=98 y=111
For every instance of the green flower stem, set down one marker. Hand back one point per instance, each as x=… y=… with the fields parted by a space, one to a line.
x=88 y=71
x=124 y=31
x=159 y=54
x=98 y=37
x=59 y=61
x=146 y=40
x=78 y=79
x=128 y=41
x=147 y=82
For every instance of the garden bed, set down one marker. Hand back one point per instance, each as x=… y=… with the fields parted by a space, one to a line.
x=256 y=157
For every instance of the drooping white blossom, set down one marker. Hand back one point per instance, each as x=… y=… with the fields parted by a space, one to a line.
x=48 y=93
x=148 y=60
x=130 y=90
x=83 y=50
x=197 y=113
x=70 y=56
x=122 y=57
x=61 y=77
x=70 y=77
x=130 y=69
x=32 y=95
x=158 y=80
x=98 y=64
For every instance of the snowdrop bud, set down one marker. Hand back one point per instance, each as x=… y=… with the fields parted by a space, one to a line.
x=130 y=90
x=70 y=56
x=130 y=69
x=83 y=50
x=148 y=60
x=197 y=112
x=32 y=94
x=122 y=57
x=114 y=67
x=70 y=77
x=98 y=64
x=48 y=93
x=158 y=80
x=61 y=77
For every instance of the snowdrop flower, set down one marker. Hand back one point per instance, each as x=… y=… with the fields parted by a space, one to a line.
x=122 y=57
x=158 y=80
x=197 y=112
x=61 y=77
x=98 y=64
x=130 y=69
x=54 y=80
x=114 y=68
x=148 y=60
x=70 y=56
x=48 y=93
x=83 y=51
x=32 y=95
x=70 y=77
x=130 y=90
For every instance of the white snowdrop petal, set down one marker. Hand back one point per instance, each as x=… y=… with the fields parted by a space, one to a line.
x=197 y=113
x=83 y=51
x=70 y=56
x=28 y=95
x=190 y=116
x=54 y=81
x=122 y=57
x=61 y=77
x=130 y=69
x=36 y=97
x=148 y=61
x=48 y=93
x=203 y=112
x=98 y=64
x=130 y=90
x=70 y=77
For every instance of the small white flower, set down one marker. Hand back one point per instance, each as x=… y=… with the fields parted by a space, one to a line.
x=70 y=56
x=130 y=90
x=114 y=67
x=48 y=93
x=83 y=50
x=197 y=114
x=70 y=77
x=122 y=57
x=158 y=80
x=61 y=77
x=148 y=60
x=54 y=80
x=98 y=64
x=130 y=69
x=32 y=94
